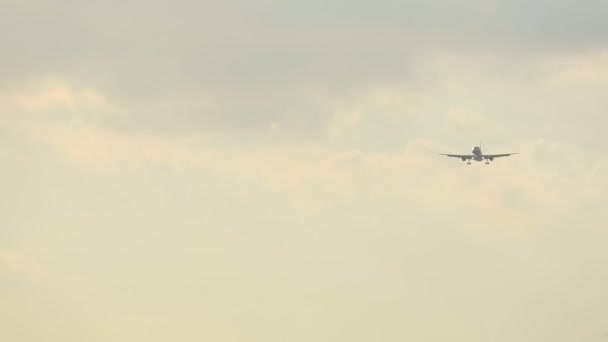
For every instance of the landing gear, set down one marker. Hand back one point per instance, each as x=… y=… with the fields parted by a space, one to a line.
x=468 y=163
x=487 y=162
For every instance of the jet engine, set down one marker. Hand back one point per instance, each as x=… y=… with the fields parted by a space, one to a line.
x=463 y=158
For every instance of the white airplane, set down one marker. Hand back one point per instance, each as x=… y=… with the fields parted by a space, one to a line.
x=477 y=155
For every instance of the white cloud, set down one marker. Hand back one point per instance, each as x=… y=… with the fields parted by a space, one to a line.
x=20 y=265
x=461 y=121
x=587 y=67
x=291 y=235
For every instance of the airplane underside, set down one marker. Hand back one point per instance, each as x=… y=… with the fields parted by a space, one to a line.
x=478 y=159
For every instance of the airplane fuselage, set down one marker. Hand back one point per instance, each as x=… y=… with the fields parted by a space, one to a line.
x=477 y=155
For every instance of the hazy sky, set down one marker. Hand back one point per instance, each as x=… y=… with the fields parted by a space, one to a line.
x=268 y=171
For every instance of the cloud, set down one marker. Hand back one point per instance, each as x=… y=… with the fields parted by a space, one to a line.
x=585 y=68
x=248 y=237
x=313 y=179
x=20 y=265
x=271 y=170
x=461 y=121
x=280 y=60
x=54 y=100
x=288 y=63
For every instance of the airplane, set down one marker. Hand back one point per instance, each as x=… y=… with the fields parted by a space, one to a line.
x=477 y=155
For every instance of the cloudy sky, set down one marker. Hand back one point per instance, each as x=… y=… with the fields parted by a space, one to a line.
x=268 y=171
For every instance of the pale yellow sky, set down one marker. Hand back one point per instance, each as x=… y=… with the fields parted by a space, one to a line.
x=269 y=171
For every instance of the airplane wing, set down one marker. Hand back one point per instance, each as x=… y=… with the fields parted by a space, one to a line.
x=461 y=156
x=492 y=156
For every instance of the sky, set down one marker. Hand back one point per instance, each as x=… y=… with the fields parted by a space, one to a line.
x=269 y=171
